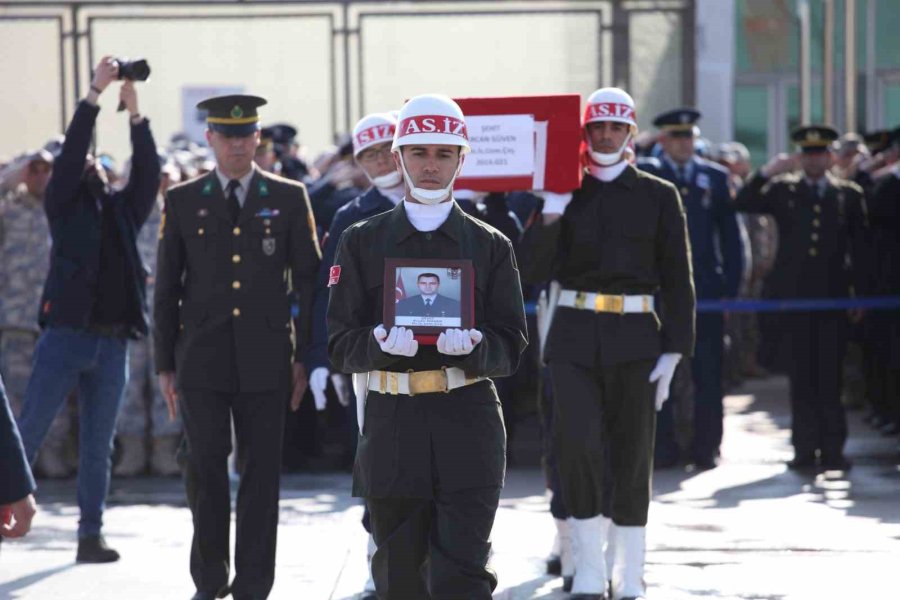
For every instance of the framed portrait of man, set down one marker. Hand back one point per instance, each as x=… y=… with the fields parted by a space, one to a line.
x=429 y=295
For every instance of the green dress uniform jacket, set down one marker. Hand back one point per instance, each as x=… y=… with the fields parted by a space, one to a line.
x=821 y=241
x=455 y=438
x=222 y=314
x=627 y=236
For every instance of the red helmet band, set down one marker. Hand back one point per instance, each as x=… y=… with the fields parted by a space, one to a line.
x=432 y=124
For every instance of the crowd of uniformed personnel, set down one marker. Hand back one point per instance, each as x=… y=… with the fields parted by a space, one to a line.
x=822 y=223
x=734 y=245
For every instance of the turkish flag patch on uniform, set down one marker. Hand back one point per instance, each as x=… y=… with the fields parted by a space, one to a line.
x=334 y=275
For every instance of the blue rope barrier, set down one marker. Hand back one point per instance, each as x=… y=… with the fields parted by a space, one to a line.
x=793 y=305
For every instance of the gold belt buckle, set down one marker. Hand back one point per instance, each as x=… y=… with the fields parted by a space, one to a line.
x=610 y=304
x=427 y=382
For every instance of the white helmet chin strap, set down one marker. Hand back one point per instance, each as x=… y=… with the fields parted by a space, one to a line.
x=607 y=160
x=384 y=182
x=429 y=196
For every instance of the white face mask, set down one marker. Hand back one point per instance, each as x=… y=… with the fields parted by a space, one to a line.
x=606 y=160
x=385 y=182
x=429 y=196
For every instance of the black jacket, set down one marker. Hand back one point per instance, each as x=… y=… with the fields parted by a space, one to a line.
x=627 y=236
x=822 y=243
x=75 y=215
x=356 y=303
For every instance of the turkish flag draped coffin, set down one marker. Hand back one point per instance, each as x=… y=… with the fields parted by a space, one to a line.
x=522 y=143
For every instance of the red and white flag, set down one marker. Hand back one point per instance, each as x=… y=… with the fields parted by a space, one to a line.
x=400 y=290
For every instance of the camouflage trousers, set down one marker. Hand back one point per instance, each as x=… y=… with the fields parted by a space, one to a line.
x=144 y=409
x=16 y=354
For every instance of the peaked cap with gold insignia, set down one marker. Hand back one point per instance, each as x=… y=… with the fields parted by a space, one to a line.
x=234 y=115
x=814 y=138
x=678 y=122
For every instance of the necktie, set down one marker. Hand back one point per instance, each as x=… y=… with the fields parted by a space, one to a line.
x=427 y=303
x=682 y=175
x=234 y=206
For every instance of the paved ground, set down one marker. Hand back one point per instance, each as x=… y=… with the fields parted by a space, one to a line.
x=748 y=529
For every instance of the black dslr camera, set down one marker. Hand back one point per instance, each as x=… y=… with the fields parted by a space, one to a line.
x=133 y=70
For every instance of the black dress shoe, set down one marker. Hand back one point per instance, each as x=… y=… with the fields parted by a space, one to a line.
x=93 y=549
x=554 y=566
x=802 y=463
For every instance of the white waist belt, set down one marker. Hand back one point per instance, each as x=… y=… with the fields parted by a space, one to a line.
x=610 y=303
x=419 y=382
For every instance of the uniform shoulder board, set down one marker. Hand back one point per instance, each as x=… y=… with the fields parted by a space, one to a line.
x=648 y=163
x=787 y=178
x=278 y=179
x=715 y=169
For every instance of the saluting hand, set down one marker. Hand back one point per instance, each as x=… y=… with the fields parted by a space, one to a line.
x=458 y=342
x=778 y=164
x=399 y=342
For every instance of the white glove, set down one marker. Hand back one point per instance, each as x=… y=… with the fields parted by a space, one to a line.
x=555 y=204
x=318 y=381
x=458 y=342
x=341 y=385
x=399 y=341
x=663 y=373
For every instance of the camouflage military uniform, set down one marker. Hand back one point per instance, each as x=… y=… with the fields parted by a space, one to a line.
x=24 y=260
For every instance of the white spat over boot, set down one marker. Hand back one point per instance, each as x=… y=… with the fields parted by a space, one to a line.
x=590 y=564
x=628 y=567
x=609 y=553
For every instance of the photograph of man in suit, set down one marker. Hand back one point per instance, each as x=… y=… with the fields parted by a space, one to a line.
x=429 y=303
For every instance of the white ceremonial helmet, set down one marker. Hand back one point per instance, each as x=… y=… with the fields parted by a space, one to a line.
x=610 y=104
x=371 y=130
x=431 y=119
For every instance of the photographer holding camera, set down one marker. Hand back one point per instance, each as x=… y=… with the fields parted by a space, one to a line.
x=93 y=300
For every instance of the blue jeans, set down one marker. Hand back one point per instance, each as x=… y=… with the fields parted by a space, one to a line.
x=98 y=366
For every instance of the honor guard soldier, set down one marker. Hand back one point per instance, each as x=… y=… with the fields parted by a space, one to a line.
x=614 y=246
x=431 y=456
x=223 y=347
x=884 y=325
x=822 y=229
x=717 y=261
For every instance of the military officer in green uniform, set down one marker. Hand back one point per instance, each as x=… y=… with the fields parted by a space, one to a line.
x=232 y=245
x=431 y=456
x=822 y=230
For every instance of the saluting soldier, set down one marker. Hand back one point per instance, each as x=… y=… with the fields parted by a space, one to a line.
x=822 y=229
x=884 y=325
x=223 y=339
x=718 y=263
x=613 y=245
x=431 y=456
